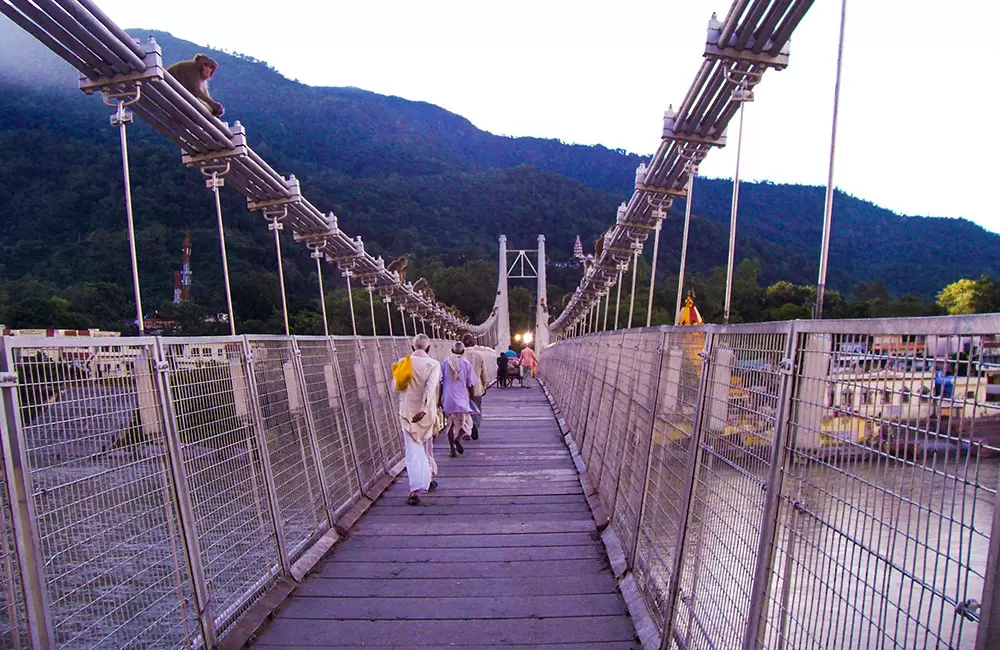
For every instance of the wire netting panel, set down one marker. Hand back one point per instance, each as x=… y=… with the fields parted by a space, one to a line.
x=282 y=410
x=360 y=419
x=889 y=491
x=213 y=405
x=107 y=521
x=577 y=367
x=13 y=623
x=330 y=420
x=621 y=416
x=738 y=423
x=581 y=387
x=600 y=387
x=670 y=466
x=622 y=482
x=392 y=442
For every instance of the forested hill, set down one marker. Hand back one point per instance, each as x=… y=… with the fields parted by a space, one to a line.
x=410 y=177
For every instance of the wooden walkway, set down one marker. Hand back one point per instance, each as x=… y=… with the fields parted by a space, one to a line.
x=503 y=554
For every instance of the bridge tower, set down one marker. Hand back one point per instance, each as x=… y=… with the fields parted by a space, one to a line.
x=542 y=301
x=522 y=268
x=503 y=310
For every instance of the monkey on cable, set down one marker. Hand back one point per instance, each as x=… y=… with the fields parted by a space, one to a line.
x=194 y=76
x=398 y=266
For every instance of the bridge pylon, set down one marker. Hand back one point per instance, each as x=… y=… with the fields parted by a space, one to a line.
x=521 y=268
x=503 y=309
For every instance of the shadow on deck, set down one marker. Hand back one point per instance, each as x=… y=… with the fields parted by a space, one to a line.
x=504 y=554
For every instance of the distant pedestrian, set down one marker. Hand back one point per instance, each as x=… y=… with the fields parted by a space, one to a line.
x=456 y=397
x=478 y=362
x=418 y=378
x=528 y=359
x=502 y=371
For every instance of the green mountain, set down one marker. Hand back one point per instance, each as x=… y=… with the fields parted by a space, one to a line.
x=409 y=177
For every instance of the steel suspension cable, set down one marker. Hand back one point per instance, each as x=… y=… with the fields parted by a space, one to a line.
x=275 y=226
x=214 y=183
x=828 y=203
x=684 y=245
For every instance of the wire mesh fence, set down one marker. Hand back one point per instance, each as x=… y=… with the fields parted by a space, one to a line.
x=169 y=483
x=799 y=485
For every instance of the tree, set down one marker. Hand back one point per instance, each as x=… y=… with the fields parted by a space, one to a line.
x=874 y=291
x=52 y=312
x=987 y=295
x=958 y=297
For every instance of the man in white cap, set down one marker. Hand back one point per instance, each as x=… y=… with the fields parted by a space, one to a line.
x=418 y=403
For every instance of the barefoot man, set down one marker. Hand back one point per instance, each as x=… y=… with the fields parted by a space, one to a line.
x=417 y=414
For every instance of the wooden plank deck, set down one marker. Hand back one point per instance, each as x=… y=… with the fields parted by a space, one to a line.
x=504 y=554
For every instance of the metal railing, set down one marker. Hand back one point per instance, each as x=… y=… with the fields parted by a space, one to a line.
x=813 y=484
x=154 y=489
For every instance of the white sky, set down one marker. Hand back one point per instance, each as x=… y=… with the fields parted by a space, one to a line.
x=917 y=132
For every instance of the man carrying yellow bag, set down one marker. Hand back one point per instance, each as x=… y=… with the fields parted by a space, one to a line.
x=418 y=378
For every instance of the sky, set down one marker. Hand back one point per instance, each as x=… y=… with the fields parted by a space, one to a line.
x=916 y=74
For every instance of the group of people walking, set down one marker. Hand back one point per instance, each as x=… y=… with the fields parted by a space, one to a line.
x=511 y=366
x=436 y=396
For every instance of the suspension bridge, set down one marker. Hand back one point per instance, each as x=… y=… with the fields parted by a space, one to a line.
x=807 y=484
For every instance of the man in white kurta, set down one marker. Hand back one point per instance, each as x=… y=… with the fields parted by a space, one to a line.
x=478 y=362
x=418 y=417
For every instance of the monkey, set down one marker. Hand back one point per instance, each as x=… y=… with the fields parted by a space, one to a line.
x=421 y=286
x=598 y=246
x=565 y=299
x=398 y=265
x=194 y=76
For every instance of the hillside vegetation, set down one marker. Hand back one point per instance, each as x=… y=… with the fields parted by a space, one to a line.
x=411 y=179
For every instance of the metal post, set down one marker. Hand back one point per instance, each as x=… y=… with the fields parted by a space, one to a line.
x=643 y=489
x=776 y=474
x=684 y=242
x=371 y=305
x=213 y=182
x=414 y=317
x=347 y=415
x=388 y=313
x=607 y=305
x=732 y=220
x=265 y=459
x=402 y=318
x=828 y=205
x=694 y=462
x=635 y=272
x=652 y=273
x=24 y=522
x=318 y=255
x=182 y=496
x=618 y=300
x=350 y=299
x=121 y=119
x=311 y=430
x=989 y=613
x=274 y=225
